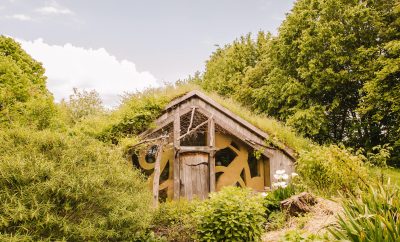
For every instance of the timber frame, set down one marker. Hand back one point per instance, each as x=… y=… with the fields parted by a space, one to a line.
x=168 y=130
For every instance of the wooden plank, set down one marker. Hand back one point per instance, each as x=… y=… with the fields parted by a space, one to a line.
x=211 y=144
x=187 y=177
x=156 y=178
x=203 y=149
x=205 y=181
x=195 y=176
x=177 y=130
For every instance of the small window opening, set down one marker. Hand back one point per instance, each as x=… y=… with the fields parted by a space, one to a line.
x=224 y=157
x=253 y=165
x=151 y=154
x=165 y=173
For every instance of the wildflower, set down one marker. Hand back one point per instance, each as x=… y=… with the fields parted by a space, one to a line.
x=281 y=184
x=294 y=174
x=264 y=194
x=280 y=172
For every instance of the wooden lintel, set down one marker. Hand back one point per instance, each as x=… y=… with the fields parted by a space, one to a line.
x=204 y=149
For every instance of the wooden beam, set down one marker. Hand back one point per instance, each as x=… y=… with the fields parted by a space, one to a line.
x=161 y=123
x=211 y=144
x=194 y=129
x=177 y=132
x=156 y=178
x=204 y=149
x=191 y=120
x=151 y=140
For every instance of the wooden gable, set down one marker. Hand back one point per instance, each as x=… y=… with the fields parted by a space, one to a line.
x=196 y=112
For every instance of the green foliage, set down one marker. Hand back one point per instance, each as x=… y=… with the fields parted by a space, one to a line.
x=276 y=220
x=385 y=173
x=59 y=186
x=233 y=214
x=81 y=105
x=329 y=169
x=379 y=155
x=382 y=100
x=138 y=111
x=24 y=99
x=332 y=72
x=373 y=217
x=225 y=71
x=175 y=220
x=272 y=199
x=303 y=236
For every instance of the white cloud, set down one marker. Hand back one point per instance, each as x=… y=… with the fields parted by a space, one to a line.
x=53 y=10
x=20 y=17
x=69 y=66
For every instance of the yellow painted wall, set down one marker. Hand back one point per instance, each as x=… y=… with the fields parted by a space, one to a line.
x=230 y=174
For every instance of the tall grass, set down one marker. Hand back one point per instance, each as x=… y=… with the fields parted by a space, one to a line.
x=59 y=186
x=375 y=216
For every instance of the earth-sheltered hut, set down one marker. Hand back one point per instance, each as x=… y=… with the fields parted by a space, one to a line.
x=203 y=147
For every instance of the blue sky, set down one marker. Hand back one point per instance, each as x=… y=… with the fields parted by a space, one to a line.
x=118 y=46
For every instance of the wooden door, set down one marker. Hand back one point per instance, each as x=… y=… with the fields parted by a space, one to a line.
x=194 y=175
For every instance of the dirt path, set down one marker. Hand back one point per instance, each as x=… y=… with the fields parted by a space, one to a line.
x=321 y=216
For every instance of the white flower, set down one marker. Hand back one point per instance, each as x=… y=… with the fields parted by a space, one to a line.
x=285 y=176
x=294 y=174
x=280 y=172
x=264 y=194
x=280 y=184
x=277 y=177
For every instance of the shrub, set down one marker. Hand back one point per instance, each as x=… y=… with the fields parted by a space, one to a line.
x=329 y=169
x=272 y=199
x=175 y=220
x=58 y=186
x=24 y=99
x=373 y=217
x=233 y=214
x=276 y=220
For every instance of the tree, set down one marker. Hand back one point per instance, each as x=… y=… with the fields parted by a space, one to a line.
x=23 y=95
x=331 y=72
x=82 y=104
x=226 y=70
x=382 y=93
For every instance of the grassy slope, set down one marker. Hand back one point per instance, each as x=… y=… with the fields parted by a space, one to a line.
x=392 y=173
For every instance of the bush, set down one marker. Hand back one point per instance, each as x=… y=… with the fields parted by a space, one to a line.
x=58 y=186
x=329 y=169
x=233 y=214
x=272 y=199
x=276 y=220
x=373 y=217
x=175 y=220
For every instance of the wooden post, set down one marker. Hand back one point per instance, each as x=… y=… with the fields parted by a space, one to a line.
x=211 y=144
x=156 y=178
x=177 y=133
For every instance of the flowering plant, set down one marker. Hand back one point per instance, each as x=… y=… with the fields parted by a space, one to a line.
x=282 y=179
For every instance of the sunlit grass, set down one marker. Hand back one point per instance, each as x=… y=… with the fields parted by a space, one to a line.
x=385 y=173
